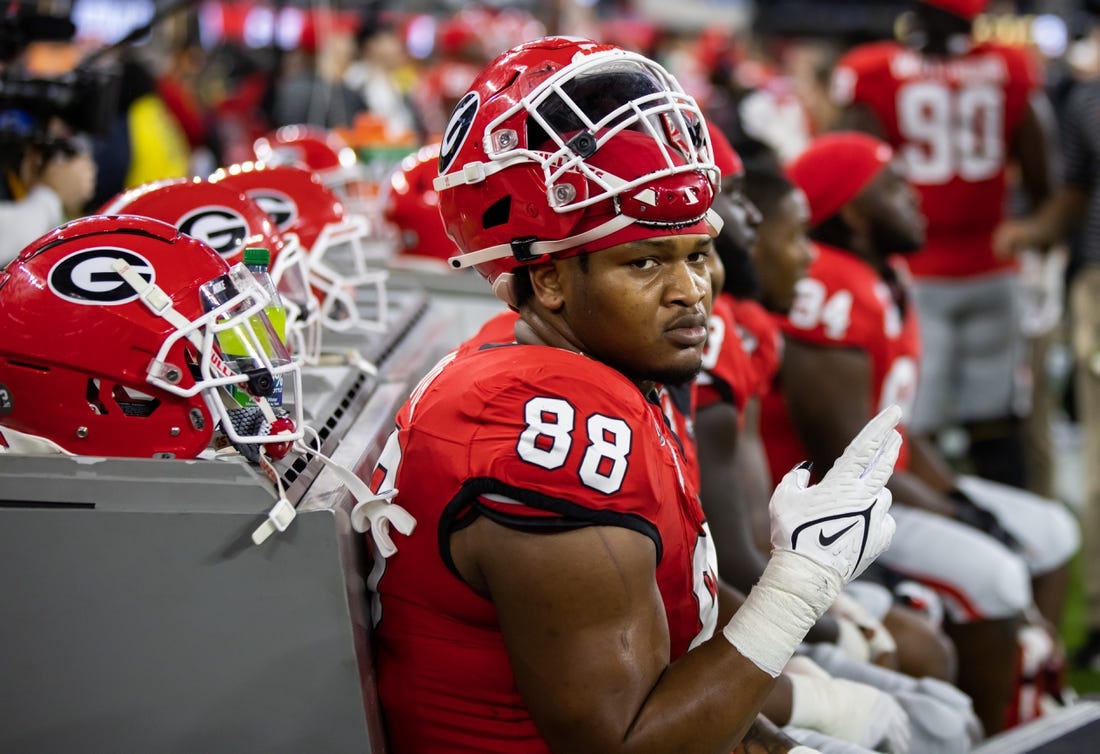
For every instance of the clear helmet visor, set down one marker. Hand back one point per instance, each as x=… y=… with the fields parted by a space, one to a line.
x=238 y=360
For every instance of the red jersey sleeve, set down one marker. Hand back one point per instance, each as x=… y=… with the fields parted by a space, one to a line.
x=839 y=303
x=762 y=341
x=727 y=375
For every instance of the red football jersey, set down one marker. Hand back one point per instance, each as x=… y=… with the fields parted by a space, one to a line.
x=727 y=375
x=532 y=436
x=844 y=303
x=500 y=329
x=743 y=351
x=678 y=404
x=952 y=123
x=761 y=339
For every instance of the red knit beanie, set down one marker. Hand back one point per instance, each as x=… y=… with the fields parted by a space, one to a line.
x=835 y=168
x=967 y=9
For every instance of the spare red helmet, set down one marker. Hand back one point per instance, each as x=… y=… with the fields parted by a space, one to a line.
x=325 y=153
x=412 y=208
x=109 y=331
x=228 y=221
x=343 y=258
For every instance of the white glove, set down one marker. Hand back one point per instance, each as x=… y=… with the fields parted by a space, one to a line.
x=822 y=536
x=1042 y=281
x=844 y=709
x=843 y=522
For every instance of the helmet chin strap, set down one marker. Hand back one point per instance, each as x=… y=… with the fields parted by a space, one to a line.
x=374 y=513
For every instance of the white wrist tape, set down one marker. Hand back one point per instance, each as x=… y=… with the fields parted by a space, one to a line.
x=851 y=639
x=790 y=596
x=848 y=710
x=881 y=641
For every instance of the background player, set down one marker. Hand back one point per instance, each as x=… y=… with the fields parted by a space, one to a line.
x=958 y=114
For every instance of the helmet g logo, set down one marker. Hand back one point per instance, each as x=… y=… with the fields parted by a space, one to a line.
x=86 y=277
x=280 y=207
x=220 y=228
x=458 y=127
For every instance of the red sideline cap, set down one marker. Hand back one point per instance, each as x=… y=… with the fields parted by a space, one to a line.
x=835 y=168
x=968 y=9
x=725 y=156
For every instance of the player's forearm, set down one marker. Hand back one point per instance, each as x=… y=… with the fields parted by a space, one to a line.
x=717 y=689
x=765 y=737
x=1058 y=216
x=708 y=700
x=908 y=489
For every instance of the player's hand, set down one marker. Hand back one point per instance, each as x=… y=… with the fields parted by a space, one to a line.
x=1011 y=236
x=72 y=178
x=861 y=635
x=843 y=522
x=848 y=710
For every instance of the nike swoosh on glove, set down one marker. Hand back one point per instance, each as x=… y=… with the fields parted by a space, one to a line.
x=843 y=522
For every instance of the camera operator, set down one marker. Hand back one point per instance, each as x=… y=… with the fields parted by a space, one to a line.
x=44 y=192
x=47 y=113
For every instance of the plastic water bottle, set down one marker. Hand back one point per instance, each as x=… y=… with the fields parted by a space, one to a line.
x=268 y=331
x=258 y=262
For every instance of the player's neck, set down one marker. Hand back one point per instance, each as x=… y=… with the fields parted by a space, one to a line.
x=536 y=327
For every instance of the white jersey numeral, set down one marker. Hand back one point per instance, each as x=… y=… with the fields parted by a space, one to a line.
x=548 y=438
x=812 y=308
x=951 y=133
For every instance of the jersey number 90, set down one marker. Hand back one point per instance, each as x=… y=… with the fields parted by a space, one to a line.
x=951 y=133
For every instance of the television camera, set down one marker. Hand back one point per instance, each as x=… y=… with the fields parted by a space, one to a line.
x=83 y=99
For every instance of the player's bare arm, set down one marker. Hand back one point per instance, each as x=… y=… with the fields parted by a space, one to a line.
x=599 y=614
x=826 y=411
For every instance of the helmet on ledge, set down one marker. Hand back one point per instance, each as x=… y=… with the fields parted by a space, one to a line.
x=111 y=344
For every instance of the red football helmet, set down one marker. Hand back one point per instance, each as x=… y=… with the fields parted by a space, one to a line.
x=109 y=333
x=343 y=259
x=968 y=9
x=323 y=152
x=412 y=207
x=228 y=221
x=565 y=145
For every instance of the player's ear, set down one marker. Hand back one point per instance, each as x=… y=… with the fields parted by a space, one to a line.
x=547 y=285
